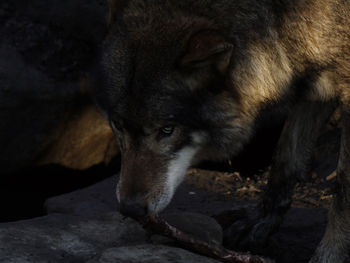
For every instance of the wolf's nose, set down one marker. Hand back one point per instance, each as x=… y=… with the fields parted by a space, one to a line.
x=133 y=209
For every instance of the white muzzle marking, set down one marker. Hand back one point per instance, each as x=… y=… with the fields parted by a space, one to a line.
x=174 y=176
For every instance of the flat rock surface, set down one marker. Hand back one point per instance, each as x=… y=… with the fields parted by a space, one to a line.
x=295 y=242
x=84 y=225
x=88 y=202
x=65 y=238
x=150 y=254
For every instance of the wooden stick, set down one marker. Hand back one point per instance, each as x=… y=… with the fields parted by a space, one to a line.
x=210 y=249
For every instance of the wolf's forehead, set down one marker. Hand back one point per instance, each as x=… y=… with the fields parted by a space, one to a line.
x=151 y=107
x=148 y=108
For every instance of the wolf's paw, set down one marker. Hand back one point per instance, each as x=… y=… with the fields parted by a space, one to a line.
x=251 y=233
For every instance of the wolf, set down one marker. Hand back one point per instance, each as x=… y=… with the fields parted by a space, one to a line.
x=182 y=81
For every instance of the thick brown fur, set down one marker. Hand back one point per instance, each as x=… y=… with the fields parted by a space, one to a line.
x=207 y=71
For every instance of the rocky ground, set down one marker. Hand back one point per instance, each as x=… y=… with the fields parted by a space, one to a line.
x=85 y=226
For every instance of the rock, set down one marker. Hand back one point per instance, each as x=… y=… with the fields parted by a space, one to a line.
x=150 y=254
x=88 y=202
x=64 y=238
x=201 y=226
x=162 y=240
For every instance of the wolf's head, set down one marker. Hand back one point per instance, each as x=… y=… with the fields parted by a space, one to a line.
x=163 y=89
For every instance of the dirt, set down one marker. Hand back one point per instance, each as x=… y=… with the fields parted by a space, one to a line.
x=315 y=194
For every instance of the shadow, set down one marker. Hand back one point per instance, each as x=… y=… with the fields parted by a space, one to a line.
x=23 y=194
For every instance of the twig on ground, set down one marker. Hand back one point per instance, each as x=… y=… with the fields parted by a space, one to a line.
x=210 y=249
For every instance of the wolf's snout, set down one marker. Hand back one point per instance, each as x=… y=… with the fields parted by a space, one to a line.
x=133 y=208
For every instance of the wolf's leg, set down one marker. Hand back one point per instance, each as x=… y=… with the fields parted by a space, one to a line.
x=335 y=245
x=291 y=159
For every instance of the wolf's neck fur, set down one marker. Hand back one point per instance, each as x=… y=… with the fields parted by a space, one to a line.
x=275 y=40
x=295 y=38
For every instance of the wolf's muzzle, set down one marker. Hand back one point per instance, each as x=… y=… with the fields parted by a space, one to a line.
x=133 y=208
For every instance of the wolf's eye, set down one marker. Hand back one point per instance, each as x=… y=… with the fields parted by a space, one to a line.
x=168 y=130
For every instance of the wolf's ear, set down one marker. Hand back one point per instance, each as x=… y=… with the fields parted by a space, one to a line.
x=114 y=7
x=207 y=48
